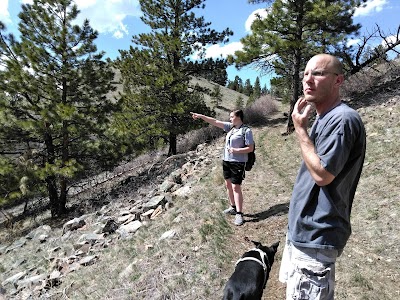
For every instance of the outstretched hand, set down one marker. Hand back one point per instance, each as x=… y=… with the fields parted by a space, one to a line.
x=195 y=116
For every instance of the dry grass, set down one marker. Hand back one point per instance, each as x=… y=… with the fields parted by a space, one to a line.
x=372 y=81
x=369 y=267
x=197 y=261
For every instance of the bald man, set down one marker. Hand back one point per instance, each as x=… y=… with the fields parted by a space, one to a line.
x=333 y=155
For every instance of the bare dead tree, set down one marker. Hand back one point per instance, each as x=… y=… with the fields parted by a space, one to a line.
x=355 y=64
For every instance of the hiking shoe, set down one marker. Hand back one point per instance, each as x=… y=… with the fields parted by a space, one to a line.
x=238 y=220
x=230 y=211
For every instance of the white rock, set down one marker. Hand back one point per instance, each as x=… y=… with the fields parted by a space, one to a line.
x=168 y=234
x=130 y=227
x=183 y=191
x=14 y=278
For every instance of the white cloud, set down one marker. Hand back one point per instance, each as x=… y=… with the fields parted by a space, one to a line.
x=353 y=42
x=82 y=4
x=108 y=16
x=118 y=34
x=124 y=28
x=105 y=16
x=262 y=12
x=4 y=14
x=390 y=40
x=121 y=31
x=216 y=51
x=370 y=7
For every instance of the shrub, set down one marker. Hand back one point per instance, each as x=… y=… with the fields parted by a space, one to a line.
x=192 y=139
x=257 y=112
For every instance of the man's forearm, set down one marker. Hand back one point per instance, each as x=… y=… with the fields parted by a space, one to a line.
x=311 y=159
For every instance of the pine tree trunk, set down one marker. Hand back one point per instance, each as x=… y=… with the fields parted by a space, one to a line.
x=62 y=202
x=51 y=179
x=172 y=144
x=53 y=196
x=295 y=89
x=290 y=125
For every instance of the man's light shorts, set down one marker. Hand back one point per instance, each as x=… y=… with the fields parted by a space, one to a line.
x=308 y=273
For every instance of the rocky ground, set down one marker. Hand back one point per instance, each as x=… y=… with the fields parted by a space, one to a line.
x=156 y=231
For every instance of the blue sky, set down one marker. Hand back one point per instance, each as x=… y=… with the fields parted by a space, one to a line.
x=118 y=20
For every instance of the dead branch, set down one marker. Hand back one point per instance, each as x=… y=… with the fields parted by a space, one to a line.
x=389 y=43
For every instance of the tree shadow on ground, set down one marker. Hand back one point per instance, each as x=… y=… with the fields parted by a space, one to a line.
x=271 y=121
x=276 y=210
x=223 y=108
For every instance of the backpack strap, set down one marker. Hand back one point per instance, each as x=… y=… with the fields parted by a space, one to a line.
x=244 y=129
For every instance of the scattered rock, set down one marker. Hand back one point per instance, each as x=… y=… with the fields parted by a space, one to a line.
x=168 y=234
x=88 y=260
x=75 y=250
x=110 y=227
x=126 y=229
x=154 y=202
x=73 y=224
x=13 y=279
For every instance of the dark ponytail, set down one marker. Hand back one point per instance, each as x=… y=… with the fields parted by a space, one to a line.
x=239 y=113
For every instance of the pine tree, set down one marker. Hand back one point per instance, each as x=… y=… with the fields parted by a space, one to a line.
x=239 y=102
x=247 y=88
x=250 y=100
x=257 y=88
x=292 y=32
x=57 y=109
x=264 y=90
x=216 y=96
x=236 y=84
x=156 y=71
x=215 y=71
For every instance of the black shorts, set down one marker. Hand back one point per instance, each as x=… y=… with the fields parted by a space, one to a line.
x=233 y=171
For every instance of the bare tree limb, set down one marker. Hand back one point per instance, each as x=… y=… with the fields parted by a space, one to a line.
x=389 y=43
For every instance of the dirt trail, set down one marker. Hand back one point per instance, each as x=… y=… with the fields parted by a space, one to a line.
x=266 y=199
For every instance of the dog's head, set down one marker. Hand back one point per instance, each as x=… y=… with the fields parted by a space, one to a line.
x=269 y=251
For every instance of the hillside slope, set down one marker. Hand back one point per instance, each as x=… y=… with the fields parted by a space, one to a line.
x=189 y=249
x=228 y=96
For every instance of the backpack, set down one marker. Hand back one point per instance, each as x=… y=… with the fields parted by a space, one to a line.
x=251 y=155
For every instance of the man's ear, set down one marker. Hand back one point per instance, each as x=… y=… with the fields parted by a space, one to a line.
x=339 y=79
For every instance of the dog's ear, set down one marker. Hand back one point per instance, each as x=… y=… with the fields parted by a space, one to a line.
x=257 y=244
x=275 y=246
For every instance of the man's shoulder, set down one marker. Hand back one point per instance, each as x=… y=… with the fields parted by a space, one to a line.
x=341 y=113
x=344 y=108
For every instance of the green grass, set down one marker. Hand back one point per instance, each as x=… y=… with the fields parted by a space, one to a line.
x=361 y=281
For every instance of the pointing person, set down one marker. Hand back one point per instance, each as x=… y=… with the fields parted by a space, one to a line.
x=235 y=157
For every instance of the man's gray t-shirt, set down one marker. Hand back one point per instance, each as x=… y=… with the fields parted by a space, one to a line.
x=319 y=217
x=234 y=139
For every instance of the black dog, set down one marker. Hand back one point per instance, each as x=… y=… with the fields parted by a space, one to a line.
x=251 y=273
